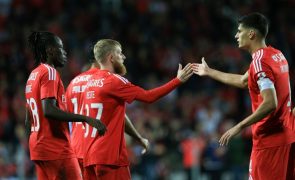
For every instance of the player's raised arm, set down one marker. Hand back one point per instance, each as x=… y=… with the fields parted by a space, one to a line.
x=237 y=80
x=149 y=96
x=52 y=112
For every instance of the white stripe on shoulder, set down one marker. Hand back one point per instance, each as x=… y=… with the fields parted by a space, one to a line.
x=49 y=72
x=257 y=61
x=54 y=74
x=253 y=61
x=124 y=80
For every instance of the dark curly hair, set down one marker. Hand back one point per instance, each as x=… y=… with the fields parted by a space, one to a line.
x=38 y=42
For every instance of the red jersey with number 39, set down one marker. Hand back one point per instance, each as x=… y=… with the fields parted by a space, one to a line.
x=272 y=130
x=74 y=105
x=49 y=139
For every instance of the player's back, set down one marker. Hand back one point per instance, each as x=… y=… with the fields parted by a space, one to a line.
x=103 y=100
x=74 y=92
x=49 y=139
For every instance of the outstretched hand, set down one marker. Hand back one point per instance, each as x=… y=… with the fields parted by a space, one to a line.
x=201 y=69
x=184 y=74
x=101 y=128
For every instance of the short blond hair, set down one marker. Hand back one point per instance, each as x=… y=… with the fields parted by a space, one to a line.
x=103 y=47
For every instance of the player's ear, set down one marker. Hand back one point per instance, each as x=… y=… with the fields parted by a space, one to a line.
x=49 y=51
x=252 y=34
x=110 y=57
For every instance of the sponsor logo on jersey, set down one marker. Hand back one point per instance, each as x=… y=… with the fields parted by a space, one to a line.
x=28 y=88
x=33 y=76
x=83 y=78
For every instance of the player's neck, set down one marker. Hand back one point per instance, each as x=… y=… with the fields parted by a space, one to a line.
x=49 y=63
x=255 y=46
x=95 y=65
x=107 y=67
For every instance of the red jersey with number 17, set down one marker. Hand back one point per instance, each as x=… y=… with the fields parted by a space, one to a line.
x=74 y=104
x=272 y=130
x=49 y=139
x=104 y=98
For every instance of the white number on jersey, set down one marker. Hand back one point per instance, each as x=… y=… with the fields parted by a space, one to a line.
x=94 y=106
x=75 y=104
x=34 y=109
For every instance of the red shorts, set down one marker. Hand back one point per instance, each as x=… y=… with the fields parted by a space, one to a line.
x=58 y=169
x=106 y=172
x=273 y=163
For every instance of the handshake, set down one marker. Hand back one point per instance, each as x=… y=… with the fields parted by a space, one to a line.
x=192 y=68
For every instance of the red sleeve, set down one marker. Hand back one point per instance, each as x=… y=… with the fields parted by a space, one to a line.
x=69 y=106
x=130 y=92
x=49 y=84
x=152 y=95
x=123 y=89
x=263 y=70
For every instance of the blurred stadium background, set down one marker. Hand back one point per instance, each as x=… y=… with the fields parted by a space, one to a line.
x=184 y=127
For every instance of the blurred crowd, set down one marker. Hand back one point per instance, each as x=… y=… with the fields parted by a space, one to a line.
x=156 y=35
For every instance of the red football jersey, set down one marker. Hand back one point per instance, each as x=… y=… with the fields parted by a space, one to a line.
x=272 y=130
x=49 y=139
x=74 y=104
x=104 y=99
